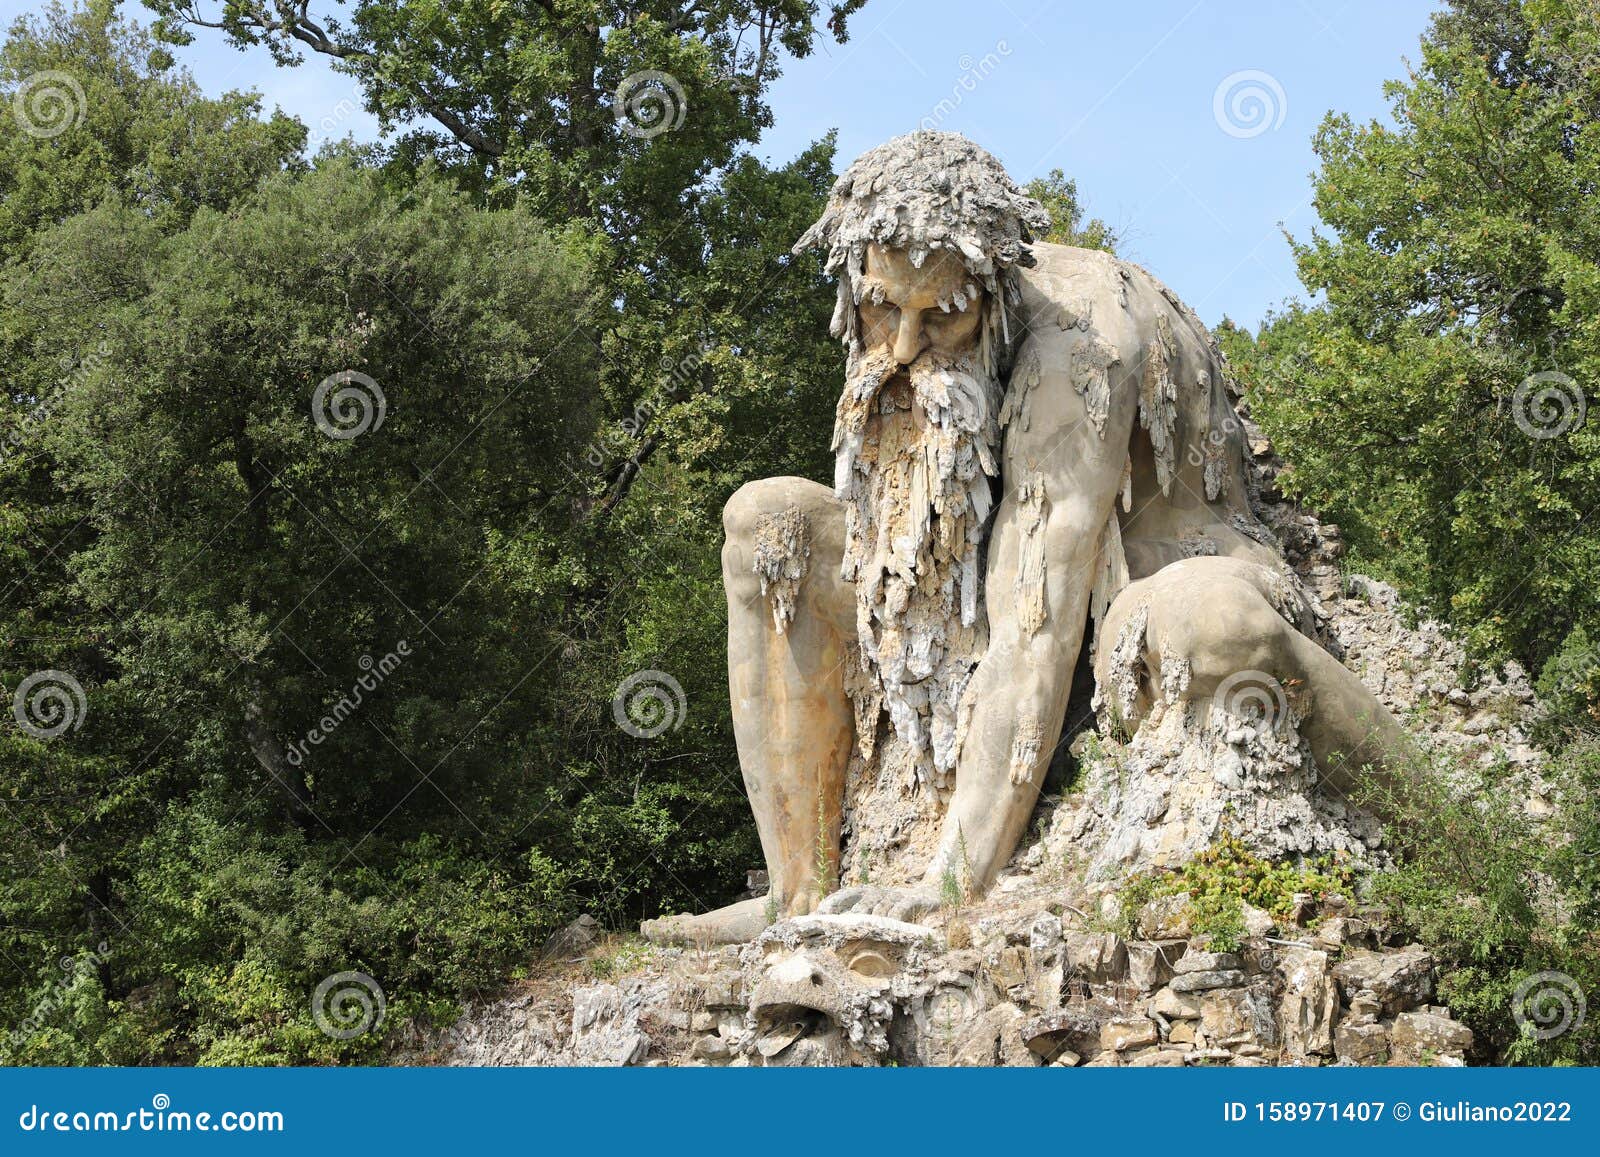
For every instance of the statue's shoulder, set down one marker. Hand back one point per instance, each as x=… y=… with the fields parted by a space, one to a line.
x=1091 y=288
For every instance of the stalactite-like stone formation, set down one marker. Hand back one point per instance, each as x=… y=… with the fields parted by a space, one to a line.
x=782 y=551
x=1158 y=401
x=913 y=465
x=1032 y=513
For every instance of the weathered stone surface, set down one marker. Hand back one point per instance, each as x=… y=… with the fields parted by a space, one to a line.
x=1201 y=981
x=1151 y=963
x=605 y=1027
x=1174 y=1005
x=1237 y=1016
x=1074 y=1029
x=1096 y=956
x=1201 y=961
x=1128 y=1032
x=1423 y=1037
x=1157 y=1058
x=994 y=1039
x=1309 y=1004
x=1399 y=980
x=1361 y=1044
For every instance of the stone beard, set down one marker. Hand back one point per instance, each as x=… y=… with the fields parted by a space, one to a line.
x=915 y=451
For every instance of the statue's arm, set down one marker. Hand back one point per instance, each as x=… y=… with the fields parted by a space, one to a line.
x=1061 y=478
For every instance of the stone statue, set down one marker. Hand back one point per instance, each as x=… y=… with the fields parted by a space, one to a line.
x=1034 y=445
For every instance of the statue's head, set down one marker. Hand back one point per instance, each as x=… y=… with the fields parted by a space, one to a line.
x=925 y=234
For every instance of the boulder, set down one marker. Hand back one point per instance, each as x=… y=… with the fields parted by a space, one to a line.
x=1237 y=1016
x=1421 y=1038
x=1361 y=1044
x=1309 y=1003
x=1202 y=981
x=1067 y=1029
x=1096 y=956
x=1399 y=980
x=1151 y=963
x=605 y=1027
x=1128 y=1032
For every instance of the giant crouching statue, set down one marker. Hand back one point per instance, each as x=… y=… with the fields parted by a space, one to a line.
x=1033 y=445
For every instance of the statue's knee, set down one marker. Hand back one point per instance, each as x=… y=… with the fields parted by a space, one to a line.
x=1239 y=629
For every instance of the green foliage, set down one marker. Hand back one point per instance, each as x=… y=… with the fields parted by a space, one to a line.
x=1059 y=195
x=1461 y=257
x=1569 y=691
x=1501 y=897
x=1220 y=880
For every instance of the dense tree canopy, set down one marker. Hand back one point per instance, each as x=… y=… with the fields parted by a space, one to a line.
x=1439 y=400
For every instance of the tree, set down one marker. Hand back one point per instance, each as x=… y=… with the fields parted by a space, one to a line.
x=1059 y=195
x=1435 y=401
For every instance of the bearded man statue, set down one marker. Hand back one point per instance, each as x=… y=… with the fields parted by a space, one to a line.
x=1032 y=443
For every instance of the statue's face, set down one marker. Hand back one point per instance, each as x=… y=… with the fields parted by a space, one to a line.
x=908 y=321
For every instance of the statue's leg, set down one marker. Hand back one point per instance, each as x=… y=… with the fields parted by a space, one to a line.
x=792 y=722
x=1224 y=617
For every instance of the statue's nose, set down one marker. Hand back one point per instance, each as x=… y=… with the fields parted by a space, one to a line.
x=908 y=338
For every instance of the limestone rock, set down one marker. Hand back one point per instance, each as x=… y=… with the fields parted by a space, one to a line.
x=1423 y=1037
x=1400 y=980
x=1309 y=1004
x=1151 y=963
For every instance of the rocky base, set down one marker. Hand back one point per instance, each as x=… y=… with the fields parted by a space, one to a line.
x=1012 y=983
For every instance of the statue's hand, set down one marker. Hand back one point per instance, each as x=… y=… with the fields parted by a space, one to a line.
x=908 y=904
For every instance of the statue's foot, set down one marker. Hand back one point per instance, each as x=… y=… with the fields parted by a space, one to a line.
x=736 y=924
x=909 y=904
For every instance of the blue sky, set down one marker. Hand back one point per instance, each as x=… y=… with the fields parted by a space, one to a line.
x=1123 y=97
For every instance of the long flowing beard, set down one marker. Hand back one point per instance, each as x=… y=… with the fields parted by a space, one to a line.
x=914 y=456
